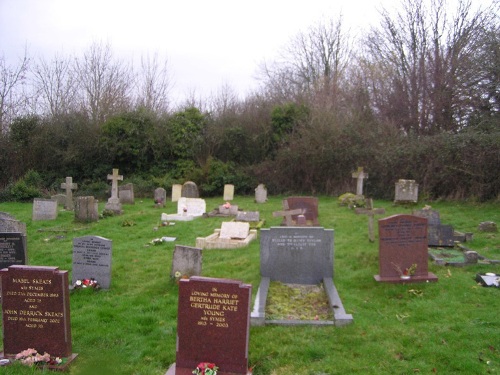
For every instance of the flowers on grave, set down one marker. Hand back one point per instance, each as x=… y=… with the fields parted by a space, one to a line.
x=227 y=205
x=31 y=357
x=206 y=368
x=184 y=209
x=86 y=283
x=410 y=271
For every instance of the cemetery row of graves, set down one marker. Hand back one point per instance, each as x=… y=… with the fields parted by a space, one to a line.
x=174 y=282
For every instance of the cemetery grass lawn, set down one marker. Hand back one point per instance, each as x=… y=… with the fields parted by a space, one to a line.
x=447 y=327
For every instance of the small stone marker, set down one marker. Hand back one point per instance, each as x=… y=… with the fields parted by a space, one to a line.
x=371 y=212
x=190 y=190
x=229 y=210
x=86 y=209
x=92 y=259
x=126 y=193
x=403 y=243
x=228 y=192
x=406 y=191
x=35 y=308
x=44 y=209
x=12 y=249
x=176 y=192
x=160 y=197
x=234 y=230
x=487 y=226
x=248 y=216
x=213 y=324
x=69 y=186
x=359 y=175
x=186 y=261
x=113 y=203
x=260 y=194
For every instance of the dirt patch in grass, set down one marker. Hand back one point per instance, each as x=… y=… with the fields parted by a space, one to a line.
x=297 y=302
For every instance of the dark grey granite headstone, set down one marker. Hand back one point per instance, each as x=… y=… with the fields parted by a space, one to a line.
x=12 y=249
x=92 y=259
x=302 y=255
x=187 y=261
x=440 y=235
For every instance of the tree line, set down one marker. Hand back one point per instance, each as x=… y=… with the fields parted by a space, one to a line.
x=416 y=96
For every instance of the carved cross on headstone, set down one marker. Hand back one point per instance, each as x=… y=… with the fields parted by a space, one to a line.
x=69 y=186
x=115 y=177
x=287 y=214
x=360 y=176
x=371 y=212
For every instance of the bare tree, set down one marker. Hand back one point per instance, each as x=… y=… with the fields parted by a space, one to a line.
x=11 y=95
x=154 y=85
x=105 y=84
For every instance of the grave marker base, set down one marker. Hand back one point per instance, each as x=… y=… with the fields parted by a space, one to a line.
x=430 y=277
x=173 y=370
x=63 y=367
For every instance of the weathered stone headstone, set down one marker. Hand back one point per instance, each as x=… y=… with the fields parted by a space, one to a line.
x=234 y=230
x=431 y=215
x=402 y=244
x=36 y=313
x=298 y=255
x=248 y=216
x=176 y=192
x=228 y=192
x=370 y=212
x=60 y=198
x=309 y=205
x=9 y=224
x=186 y=261
x=126 y=193
x=406 y=191
x=44 y=209
x=437 y=233
x=86 y=209
x=260 y=194
x=92 y=259
x=190 y=190
x=359 y=175
x=69 y=186
x=213 y=325
x=12 y=249
x=160 y=197
x=113 y=203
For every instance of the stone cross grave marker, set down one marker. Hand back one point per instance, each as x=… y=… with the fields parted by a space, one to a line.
x=260 y=194
x=186 y=261
x=69 y=186
x=176 y=192
x=36 y=312
x=12 y=249
x=213 y=325
x=228 y=192
x=406 y=191
x=402 y=246
x=44 y=209
x=86 y=209
x=92 y=259
x=370 y=212
x=359 y=175
x=113 y=203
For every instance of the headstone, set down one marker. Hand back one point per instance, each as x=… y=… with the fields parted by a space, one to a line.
x=186 y=261
x=402 y=244
x=359 y=175
x=9 y=224
x=44 y=209
x=92 y=259
x=406 y=191
x=370 y=212
x=437 y=233
x=234 y=230
x=60 y=198
x=191 y=206
x=260 y=194
x=228 y=192
x=160 y=197
x=487 y=226
x=248 y=216
x=431 y=215
x=176 y=192
x=126 y=193
x=86 y=209
x=190 y=190
x=69 y=186
x=309 y=205
x=213 y=325
x=113 y=203
x=36 y=313
x=12 y=249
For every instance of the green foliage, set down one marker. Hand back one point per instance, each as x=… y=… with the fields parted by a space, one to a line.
x=285 y=119
x=216 y=174
x=186 y=133
x=24 y=189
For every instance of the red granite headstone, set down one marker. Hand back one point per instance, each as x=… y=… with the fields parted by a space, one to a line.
x=308 y=204
x=213 y=325
x=403 y=243
x=35 y=310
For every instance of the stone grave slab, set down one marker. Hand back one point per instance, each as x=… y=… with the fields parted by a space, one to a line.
x=309 y=205
x=228 y=210
x=234 y=230
x=12 y=249
x=248 y=216
x=69 y=186
x=92 y=258
x=44 y=209
x=403 y=243
x=231 y=235
x=190 y=190
x=36 y=311
x=228 y=192
x=9 y=224
x=160 y=197
x=114 y=205
x=86 y=209
x=187 y=210
x=406 y=191
x=213 y=325
x=126 y=193
x=260 y=194
x=298 y=255
x=186 y=261
x=176 y=192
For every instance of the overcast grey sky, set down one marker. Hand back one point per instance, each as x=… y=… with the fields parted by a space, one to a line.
x=209 y=43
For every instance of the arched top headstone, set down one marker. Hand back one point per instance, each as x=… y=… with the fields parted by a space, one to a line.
x=190 y=190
